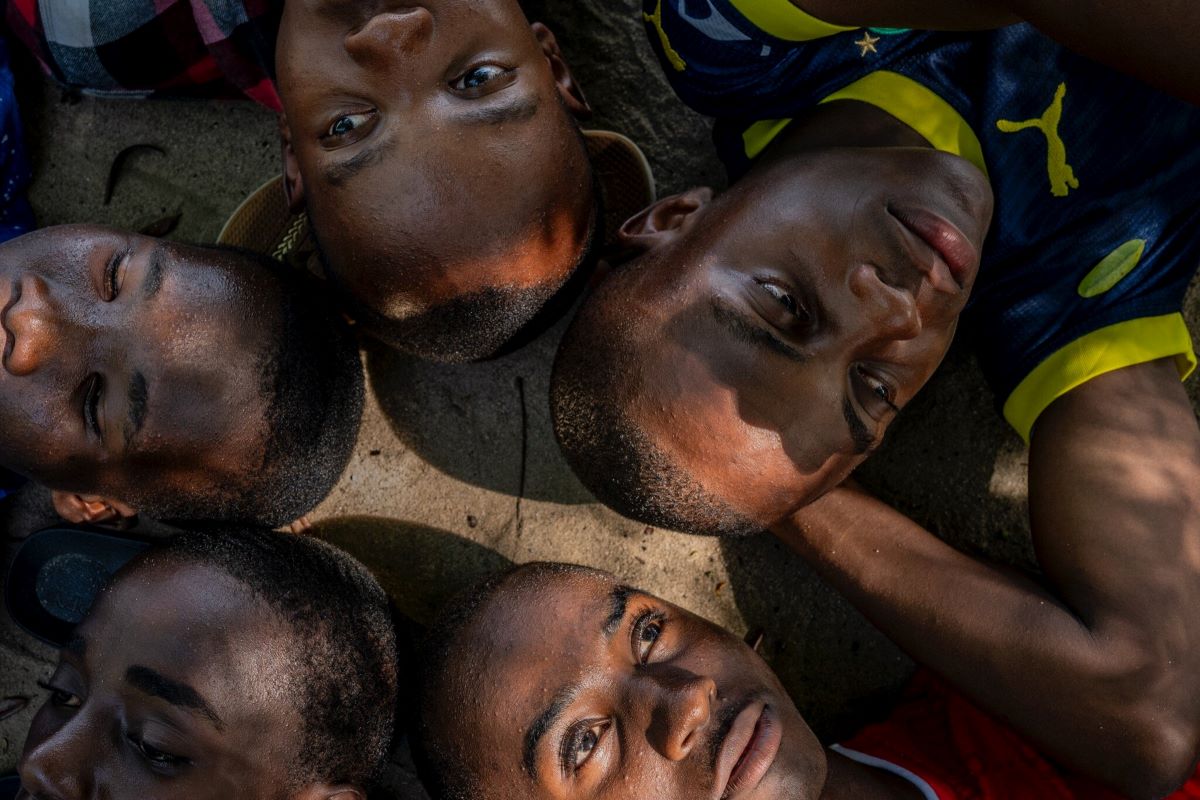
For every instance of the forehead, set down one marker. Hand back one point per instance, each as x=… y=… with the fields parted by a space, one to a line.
x=193 y=623
x=533 y=630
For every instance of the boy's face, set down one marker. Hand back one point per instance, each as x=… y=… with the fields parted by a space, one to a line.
x=161 y=694
x=581 y=687
x=791 y=319
x=434 y=147
x=128 y=363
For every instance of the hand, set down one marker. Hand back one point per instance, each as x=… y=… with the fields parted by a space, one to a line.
x=93 y=510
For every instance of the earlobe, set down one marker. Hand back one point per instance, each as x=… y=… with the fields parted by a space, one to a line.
x=92 y=509
x=568 y=88
x=293 y=182
x=666 y=219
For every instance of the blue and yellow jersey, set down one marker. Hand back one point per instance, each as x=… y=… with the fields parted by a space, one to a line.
x=1097 y=177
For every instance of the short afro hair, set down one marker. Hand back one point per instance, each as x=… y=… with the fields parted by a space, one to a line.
x=312 y=379
x=443 y=767
x=346 y=667
x=598 y=377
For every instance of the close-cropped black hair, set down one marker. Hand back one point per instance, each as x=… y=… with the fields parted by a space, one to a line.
x=444 y=767
x=344 y=663
x=597 y=378
x=312 y=380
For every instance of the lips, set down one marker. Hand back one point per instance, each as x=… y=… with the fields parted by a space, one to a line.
x=749 y=751
x=955 y=250
x=10 y=293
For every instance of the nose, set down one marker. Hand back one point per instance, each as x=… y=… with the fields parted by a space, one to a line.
x=390 y=34
x=886 y=312
x=681 y=709
x=35 y=324
x=61 y=766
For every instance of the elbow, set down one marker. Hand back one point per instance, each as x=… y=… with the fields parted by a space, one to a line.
x=1161 y=754
x=1155 y=715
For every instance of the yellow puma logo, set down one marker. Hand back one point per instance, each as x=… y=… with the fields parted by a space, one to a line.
x=673 y=56
x=1062 y=177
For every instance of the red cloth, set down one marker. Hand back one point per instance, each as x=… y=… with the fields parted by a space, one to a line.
x=966 y=754
x=143 y=48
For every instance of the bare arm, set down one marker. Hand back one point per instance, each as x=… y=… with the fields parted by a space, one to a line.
x=1100 y=664
x=1155 y=40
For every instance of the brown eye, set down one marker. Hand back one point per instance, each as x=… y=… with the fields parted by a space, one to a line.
x=580 y=743
x=345 y=126
x=478 y=77
x=876 y=387
x=787 y=300
x=647 y=630
x=61 y=698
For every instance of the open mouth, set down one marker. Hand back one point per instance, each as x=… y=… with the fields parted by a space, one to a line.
x=954 y=251
x=749 y=750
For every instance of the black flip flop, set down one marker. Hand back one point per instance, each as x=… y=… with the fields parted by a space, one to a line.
x=56 y=575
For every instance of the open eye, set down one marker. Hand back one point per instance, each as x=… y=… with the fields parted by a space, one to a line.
x=580 y=742
x=156 y=757
x=347 y=124
x=61 y=697
x=783 y=297
x=879 y=396
x=478 y=77
x=785 y=308
x=647 y=630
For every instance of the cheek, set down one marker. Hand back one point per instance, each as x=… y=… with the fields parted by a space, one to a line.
x=41 y=438
x=45 y=724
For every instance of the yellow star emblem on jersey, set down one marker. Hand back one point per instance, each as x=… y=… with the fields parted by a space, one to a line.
x=867 y=43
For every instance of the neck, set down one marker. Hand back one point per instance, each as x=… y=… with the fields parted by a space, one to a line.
x=845 y=123
x=849 y=780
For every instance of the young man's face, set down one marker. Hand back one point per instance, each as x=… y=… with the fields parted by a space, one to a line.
x=793 y=318
x=162 y=694
x=579 y=687
x=435 y=149
x=128 y=363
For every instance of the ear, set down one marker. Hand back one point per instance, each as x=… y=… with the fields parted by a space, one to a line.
x=664 y=220
x=293 y=182
x=568 y=88
x=326 y=792
x=93 y=509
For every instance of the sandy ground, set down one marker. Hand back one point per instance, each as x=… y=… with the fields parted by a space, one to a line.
x=456 y=471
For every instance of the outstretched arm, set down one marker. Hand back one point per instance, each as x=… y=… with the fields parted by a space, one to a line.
x=1100 y=662
x=1155 y=40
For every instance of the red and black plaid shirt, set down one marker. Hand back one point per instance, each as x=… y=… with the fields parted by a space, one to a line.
x=141 y=48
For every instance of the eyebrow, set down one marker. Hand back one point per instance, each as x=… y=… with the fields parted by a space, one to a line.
x=618 y=600
x=544 y=722
x=154 y=275
x=177 y=694
x=754 y=335
x=862 y=436
x=619 y=605
x=138 y=405
x=519 y=109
